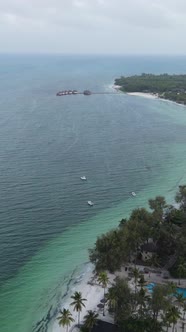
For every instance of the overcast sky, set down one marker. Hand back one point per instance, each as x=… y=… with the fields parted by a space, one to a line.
x=93 y=26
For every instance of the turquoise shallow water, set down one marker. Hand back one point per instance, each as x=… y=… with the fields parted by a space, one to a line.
x=121 y=143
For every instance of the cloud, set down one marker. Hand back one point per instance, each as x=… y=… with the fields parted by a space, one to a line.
x=98 y=19
x=143 y=12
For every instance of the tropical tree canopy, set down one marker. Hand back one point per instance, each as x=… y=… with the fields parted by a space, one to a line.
x=65 y=318
x=161 y=230
x=173 y=315
x=90 y=319
x=103 y=279
x=165 y=226
x=78 y=303
x=181 y=197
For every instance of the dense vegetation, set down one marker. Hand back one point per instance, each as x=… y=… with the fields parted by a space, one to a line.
x=172 y=87
x=139 y=312
x=164 y=224
x=135 y=310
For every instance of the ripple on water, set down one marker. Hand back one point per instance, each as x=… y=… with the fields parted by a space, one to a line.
x=121 y=144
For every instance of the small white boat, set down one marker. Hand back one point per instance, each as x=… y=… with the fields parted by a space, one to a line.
x=133 y=193
x=83 y=178
x=90 y=203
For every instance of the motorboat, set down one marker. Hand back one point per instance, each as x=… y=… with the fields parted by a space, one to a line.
x=90 y=203
x=133 y=193
x=83 y=178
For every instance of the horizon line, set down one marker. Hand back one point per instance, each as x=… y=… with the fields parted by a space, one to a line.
x=94 y=54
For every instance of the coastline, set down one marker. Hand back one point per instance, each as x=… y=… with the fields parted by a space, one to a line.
x=43 y=280
x=147 y=95
x=94 y=293
x=137 y=94
x=144 y=95
x=153 y=96
x=91 y=291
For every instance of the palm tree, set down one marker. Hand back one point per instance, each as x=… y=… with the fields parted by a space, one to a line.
x=103 y=280
x=165 y=321
x=141 y=281
x=183 y=326
x=136 y=275
x=143 y=301
x=112 y=299
x=90 y=319
x=181 y=270
x=180 y=299
x=170 y=291
x=181 y=197
x=65 y=319
x=78 y=303
x=171 y=287
x=172 y=316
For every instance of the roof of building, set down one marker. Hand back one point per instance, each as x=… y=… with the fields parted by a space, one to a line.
x=102 y=326
x=150 y=247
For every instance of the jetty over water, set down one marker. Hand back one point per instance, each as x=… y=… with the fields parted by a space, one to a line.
x=85 y=93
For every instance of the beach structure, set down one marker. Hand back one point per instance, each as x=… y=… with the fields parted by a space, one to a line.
x=87 y=92
x=67 y=92
x=103 y=326
x=73 y=92
x=147 y=251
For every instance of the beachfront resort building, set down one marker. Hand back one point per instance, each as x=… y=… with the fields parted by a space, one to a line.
x=147 y=251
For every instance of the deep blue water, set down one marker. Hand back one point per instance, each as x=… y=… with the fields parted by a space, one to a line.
x=121 y=143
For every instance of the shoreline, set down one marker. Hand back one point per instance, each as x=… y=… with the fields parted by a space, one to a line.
x=85 y=283
x=91 y=291
x=66 y=228
x=94 y=292
x=147 y=95
x=144 y=95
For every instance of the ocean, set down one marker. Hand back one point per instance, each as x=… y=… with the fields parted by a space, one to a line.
x=121 y=143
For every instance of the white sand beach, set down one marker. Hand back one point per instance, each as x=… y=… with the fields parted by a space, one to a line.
x=92 y=292
x=153 y=96
x=144 y=95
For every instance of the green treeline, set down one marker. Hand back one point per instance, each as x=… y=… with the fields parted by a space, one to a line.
x=172 y=87
x=164 y=226
x=138 y=311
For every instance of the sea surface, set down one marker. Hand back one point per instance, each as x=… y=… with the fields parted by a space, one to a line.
x=121 y=143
